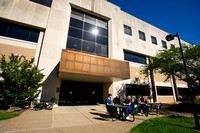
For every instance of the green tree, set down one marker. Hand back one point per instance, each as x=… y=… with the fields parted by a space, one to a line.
x=20 y=80
x=169 y=62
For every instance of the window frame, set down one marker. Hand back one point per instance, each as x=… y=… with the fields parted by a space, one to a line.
x=127 y=30
x=142 y=35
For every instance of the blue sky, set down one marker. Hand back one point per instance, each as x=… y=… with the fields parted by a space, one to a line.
x=172 y=16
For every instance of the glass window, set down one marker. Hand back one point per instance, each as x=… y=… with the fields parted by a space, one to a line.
x=3 y=29
x=90 y=20
x=153 y=40
x=43 y=2
x=101 y=50
x=164 y=44
x=127 y=30
x=77 y=15
x=89 y=27
x=164 y=90
x=102 y=31
x=104 y=51
x=75 y=33
x=142 y=35
x=34 y=36
x=88 y=36
x=102 y=24
x=134 y=58
x=76 y=23
x=88 y=47
x=73 y=44
x=19 y=32
x=102 y=40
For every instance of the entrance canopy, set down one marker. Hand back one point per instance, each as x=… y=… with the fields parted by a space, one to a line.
x=81 y=66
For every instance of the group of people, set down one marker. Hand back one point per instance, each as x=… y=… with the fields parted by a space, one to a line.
x=128 y=102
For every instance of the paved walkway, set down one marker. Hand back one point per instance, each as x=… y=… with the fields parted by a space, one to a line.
x=68 y=119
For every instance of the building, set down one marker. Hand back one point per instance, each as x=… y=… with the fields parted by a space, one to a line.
x=87 y=48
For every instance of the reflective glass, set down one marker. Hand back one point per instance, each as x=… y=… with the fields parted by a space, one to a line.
x=73 y=44
x=164 y=90
x=102 y=31
x=33 y=37
x=18 y=33
x=43 y=2
x=76 y=23
x=98 y=49
x=153 y=40
x=90 y=19
x=89 y=27
x=3 y=29
x=75 y=33
x=102 y=40
x=88 y=36
x=142 y=35
x=102 y=24
x=164 y=44
x=77 y=15
x=104 y=51
x=134 y=58
x=127 y=30
x=88 y=47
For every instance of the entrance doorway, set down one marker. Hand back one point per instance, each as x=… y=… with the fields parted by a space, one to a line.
x=78 y=93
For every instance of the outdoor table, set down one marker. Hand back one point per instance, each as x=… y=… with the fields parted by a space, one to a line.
x=120 y=106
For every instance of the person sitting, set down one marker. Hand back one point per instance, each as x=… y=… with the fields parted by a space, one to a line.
x=109 y=104
x=136 y=104
x=127 y=102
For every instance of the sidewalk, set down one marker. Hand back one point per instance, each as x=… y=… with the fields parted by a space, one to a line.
x=69 y=119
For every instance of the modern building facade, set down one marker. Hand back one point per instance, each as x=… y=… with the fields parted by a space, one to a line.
x=87 y=48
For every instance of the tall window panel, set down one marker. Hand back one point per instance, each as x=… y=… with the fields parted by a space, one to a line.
x=88 y=34
x=19 y=32
x=134 y=58
x=154 y=40
x=164 y=44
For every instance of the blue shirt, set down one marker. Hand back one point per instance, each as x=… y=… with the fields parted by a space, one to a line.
x=108 y=101
x=127 y=102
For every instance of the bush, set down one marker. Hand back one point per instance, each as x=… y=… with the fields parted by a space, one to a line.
x=20 y=80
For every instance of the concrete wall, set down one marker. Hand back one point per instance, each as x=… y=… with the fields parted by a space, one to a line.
x=54 y=23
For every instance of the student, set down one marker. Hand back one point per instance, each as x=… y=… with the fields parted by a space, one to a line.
x=127 y=102
x=136 y=103
x=109 y=103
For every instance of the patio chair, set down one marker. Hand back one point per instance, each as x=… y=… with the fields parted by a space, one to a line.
x=158 y=107
x=37 y=105
x=52 y=102
x=134 y=111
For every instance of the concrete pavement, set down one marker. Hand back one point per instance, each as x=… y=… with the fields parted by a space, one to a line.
x=69 y=119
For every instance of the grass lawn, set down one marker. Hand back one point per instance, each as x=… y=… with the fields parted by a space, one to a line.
x=170 y=124
x=4 y=116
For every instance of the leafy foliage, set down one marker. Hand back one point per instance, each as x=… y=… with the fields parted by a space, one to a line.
x=169 y=62
x=20 y=80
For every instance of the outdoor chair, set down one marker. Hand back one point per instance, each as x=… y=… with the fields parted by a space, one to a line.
x=37 y=105
x=52 y=102
x=134 y=112
x=158 y=107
